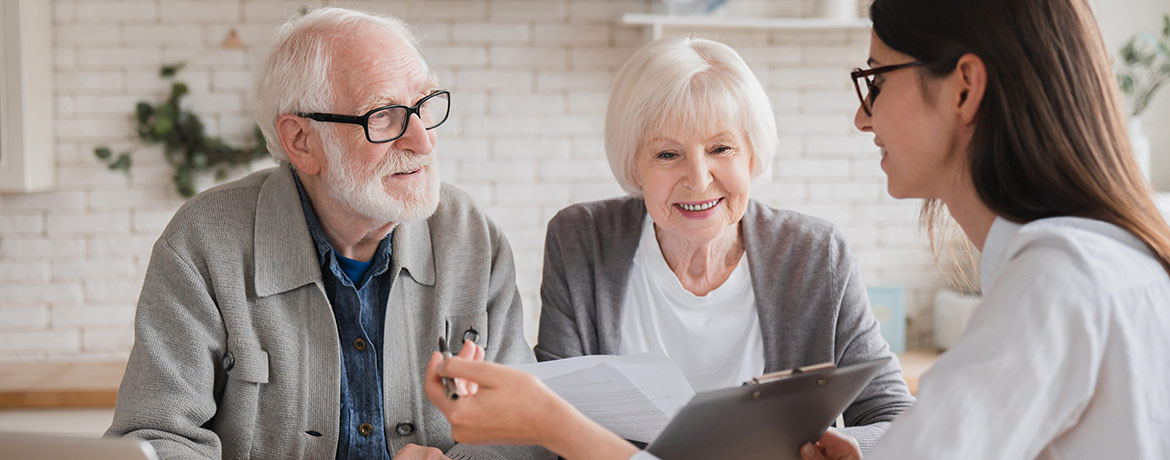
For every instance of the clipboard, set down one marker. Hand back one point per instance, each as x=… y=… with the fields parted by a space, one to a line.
x=770 y=419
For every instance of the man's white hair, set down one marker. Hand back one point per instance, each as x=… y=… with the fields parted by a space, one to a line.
x=677 y=85
x=295 y=77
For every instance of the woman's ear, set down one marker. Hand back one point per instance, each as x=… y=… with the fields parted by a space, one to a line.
x=972 y=76
x=294 y=134
x=634 y=171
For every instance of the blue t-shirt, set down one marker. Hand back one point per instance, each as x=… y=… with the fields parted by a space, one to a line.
x=354 y=269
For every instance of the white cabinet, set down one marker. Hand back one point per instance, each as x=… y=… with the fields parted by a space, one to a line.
x=27 y=160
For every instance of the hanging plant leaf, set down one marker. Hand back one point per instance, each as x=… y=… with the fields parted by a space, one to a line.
x=168 y=71
x=178 y=90
x=163 y=127
x=199 y=161
x=186 y=146
x=1125 y=81
x=142 y=112
x=1129 y=52
x=123 y=163
x=185 y=181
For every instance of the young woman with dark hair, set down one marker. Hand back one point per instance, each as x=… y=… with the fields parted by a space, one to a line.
x=1006 y=113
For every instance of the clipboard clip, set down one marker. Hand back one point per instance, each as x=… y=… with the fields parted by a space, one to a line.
x=774 y=376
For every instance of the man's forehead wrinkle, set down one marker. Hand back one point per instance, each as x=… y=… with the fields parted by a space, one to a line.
x=393 y=87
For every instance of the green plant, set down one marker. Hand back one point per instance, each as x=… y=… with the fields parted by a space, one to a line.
x=1145 y=66
x=187 y=147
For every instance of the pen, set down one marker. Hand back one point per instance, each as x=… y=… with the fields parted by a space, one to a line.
x=448 y=383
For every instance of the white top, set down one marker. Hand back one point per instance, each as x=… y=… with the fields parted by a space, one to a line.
x=1066 y=357
x=715 y=339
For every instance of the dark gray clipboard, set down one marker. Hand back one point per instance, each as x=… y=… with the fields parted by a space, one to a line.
x=769 y=420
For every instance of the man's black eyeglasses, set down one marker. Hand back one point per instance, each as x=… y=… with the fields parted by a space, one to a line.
x=388 y=123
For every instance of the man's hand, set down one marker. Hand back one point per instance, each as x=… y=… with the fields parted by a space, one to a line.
x=417 y=452
x=833 y=445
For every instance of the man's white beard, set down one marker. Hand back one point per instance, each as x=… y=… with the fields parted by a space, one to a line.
x=365 y=193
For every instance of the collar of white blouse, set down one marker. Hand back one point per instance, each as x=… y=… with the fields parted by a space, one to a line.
x=1001 y=233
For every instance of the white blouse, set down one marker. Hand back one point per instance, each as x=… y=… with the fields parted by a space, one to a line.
x=715 y=339
x=1066 y=357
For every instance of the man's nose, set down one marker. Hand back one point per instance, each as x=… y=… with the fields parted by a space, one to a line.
x=415 y=138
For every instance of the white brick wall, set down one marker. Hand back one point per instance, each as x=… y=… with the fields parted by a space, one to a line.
x=529 y=81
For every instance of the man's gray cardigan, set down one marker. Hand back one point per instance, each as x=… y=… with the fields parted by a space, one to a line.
x=811 y=301
x=236 y=347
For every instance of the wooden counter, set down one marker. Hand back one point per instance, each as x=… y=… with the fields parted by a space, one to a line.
x=60 y=384
x=914 y=364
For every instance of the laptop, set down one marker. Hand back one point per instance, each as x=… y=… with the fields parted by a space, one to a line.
x=34 y=446
x=769 y=420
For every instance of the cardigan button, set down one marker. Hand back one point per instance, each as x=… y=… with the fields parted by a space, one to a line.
x=229 y=361
x=471 y=334
x=404 y=429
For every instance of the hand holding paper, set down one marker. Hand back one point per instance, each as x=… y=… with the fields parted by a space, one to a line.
x=633 y=395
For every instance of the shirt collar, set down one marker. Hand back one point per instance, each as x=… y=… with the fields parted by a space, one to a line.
x=998 y=236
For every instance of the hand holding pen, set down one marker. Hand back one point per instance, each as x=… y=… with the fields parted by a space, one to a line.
x=456 y=387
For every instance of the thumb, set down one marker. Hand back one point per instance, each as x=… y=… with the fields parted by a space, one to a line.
x=810 y=452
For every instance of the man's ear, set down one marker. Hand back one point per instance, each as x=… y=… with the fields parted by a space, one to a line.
x=972 y=79
x=294 y=133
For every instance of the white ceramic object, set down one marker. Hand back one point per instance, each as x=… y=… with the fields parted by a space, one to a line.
x=843 y=10
x=951 y=312
x=1141 y=145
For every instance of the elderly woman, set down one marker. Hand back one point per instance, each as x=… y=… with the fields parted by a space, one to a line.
x=691 y=266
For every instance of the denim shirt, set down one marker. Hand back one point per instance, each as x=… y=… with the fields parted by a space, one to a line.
x=360 y=311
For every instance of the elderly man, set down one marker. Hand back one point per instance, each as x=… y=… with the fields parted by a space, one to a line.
x=291 y=314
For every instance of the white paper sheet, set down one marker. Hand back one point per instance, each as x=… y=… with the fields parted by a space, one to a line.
x=633 y=395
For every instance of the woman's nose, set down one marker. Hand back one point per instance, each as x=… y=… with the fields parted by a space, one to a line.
x=862 y=120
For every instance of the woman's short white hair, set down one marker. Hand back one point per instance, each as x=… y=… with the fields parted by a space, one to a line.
x=295 y=77
x=685 y=85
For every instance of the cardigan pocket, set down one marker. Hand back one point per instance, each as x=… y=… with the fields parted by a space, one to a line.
x=471 y=326
x=251 y=363
x=247 y=369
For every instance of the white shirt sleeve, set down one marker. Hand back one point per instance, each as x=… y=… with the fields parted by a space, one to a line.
x=1023 y=372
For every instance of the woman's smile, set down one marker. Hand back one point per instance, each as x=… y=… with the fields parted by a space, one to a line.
x=698 y=209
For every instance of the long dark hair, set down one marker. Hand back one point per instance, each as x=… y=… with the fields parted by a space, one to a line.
x=1049 y=138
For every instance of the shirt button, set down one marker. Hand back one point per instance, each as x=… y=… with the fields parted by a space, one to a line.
x=471 y=334
x=404 y=428
x=359 y=343
x=365 y=429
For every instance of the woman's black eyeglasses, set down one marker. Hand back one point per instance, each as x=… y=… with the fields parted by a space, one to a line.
x=870 y=91
x=388 y=123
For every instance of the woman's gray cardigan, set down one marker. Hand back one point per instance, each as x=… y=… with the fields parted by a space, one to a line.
x=812 y=303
